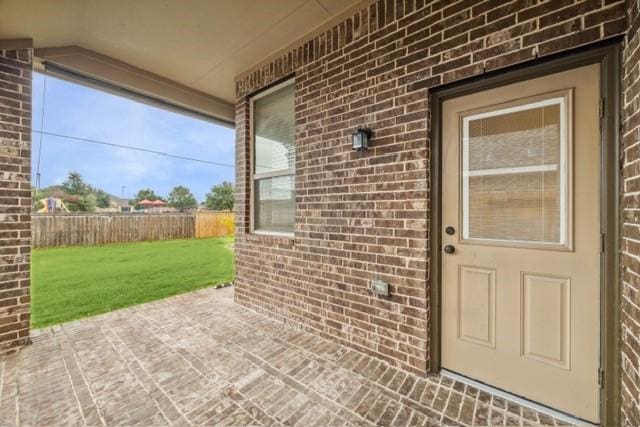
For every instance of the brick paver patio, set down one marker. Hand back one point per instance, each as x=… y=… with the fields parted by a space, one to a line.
x=200 y=359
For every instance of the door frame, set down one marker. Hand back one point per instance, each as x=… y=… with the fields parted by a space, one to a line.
x=608 y=55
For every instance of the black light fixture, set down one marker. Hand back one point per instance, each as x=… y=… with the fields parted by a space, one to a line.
x=360 y=139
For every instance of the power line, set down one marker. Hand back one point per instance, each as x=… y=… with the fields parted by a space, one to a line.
x=129 y=147
x=44 y=99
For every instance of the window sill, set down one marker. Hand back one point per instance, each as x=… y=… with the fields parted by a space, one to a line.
x=274 y=234
x=271 y=237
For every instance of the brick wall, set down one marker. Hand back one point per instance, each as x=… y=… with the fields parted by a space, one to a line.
x=15 y=196
x=630 y=257
x=365 y=215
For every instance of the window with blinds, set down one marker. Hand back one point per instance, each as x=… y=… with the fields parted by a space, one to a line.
x=274 y=160
x=514 y=173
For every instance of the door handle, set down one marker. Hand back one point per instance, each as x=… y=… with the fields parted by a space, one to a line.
x=449 y=249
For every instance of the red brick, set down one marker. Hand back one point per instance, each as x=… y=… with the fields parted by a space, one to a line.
x=365 y=215
x=630 y=407
x=15 y=195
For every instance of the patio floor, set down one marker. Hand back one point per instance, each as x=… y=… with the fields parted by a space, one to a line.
x=200 y=359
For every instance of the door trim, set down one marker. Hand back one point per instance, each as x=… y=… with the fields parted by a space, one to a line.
x=607 y=54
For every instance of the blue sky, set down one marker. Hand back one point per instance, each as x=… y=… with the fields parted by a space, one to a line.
x=82 y=112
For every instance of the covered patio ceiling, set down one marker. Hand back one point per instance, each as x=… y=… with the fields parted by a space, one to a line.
x=186 y=53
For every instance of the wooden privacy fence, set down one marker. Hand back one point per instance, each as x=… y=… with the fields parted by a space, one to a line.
x=214 y=224
x=51 y=230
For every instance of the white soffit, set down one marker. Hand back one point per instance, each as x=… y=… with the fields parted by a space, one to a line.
x=192 y=48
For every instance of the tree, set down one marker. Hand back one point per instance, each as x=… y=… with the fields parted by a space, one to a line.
x=37 y=201
x=102 y=198
x=36 y=196
x=145 y=193
x=77 y=194
x=77 y=203
x=221 y=197
x=87 y=203
x=75 y=185
x=182 y=198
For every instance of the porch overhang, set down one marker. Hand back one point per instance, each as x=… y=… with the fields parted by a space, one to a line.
x=175 y=56
x=91 y=68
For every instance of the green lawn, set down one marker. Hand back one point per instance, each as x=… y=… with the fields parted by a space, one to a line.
x=70 y=283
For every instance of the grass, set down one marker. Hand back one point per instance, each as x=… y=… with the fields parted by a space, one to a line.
x=75 y=282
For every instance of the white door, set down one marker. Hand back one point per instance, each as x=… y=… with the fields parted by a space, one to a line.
x=521 y=240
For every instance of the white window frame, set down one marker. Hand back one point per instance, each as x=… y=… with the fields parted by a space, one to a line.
x=252 y=167
x=564 y=100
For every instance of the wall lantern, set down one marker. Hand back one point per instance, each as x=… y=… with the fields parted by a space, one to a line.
x=360 y=139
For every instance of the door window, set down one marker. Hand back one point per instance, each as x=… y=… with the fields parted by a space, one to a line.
x=515 y=174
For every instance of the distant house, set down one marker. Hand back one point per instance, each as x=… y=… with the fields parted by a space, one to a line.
x=116 y=204
x=122 y=205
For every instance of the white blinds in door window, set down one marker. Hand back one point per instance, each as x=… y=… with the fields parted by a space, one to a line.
x=515 y=174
